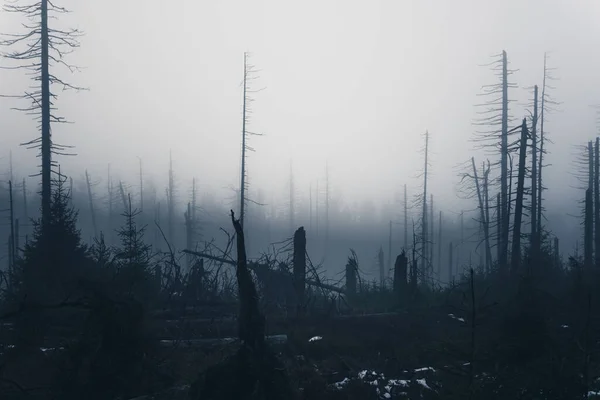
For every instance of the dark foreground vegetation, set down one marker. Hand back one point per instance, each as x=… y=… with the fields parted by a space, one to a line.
x=97 y=322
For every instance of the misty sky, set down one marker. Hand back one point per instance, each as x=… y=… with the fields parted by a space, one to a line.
x=353 y=82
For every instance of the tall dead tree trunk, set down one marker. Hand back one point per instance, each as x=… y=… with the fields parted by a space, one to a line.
x=405 y=219
x=516 y=242
x=504 y=216
x=424 y=222
x=589 y=211
x=13 y=250
x=534 y=236
x=327 y=198
x=597 y=201
x=439 y=259
x=486 y=196
x=431 y=240
x=389 y=253
x=498 y=228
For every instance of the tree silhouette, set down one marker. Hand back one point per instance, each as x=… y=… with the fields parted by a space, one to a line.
x=43 y=49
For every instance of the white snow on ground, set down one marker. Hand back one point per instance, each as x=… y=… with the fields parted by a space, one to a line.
x=456 y=318
x=315 y=338
x=384 y=387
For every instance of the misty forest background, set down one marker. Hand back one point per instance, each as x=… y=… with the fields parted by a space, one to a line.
x=122 y=246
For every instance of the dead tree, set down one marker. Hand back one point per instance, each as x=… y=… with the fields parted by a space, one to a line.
x=534 y=242
x=495 y=116
x=188 y=234
x=424 y=219
x=249 y=76
x=43 y=51
x=382 y=272
x=471 y=188
x=405 y=219
x=439 y=259
x=597 y=201
x=91 y=202
x=251 y=322
x=123 y=196
x=110 y=199
x=327 y=198
x=516 y=242
x=589 y=212
x=400 y=270
x=12 y=241
x=431 y=241
x=300 y=267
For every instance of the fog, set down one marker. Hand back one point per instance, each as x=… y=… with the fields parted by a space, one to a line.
x=348 y=83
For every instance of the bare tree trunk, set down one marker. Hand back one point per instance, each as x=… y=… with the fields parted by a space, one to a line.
x=45 y=106
x=389 y=253
x=405 y=219
x=504 y=168
x=534 y=236
x=597 y=201
x=317 y=208
x=516 y=243
x=486 y=234
x=541 y=164
x=588 y=230
x=91 y=201
x=486 y=195
x=13 y=250
x=431 y=241
x=439 y=259
x=498 y=228
x=424 y=222
x=300 y=268
x=310 y=208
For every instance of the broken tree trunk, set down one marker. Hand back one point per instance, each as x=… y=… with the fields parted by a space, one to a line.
x=300 y=267
x=251 y=322
x=486 y=232
x=588 y=230
x=400 y=269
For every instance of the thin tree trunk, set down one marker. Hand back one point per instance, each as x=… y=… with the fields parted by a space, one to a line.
x=46 y=141
x=424 y=222
x=389 y=253
x=243 y=173
x=534 y=237
x=91 y=201
x=405 y=219
x=516 y=242
x=597 y=201
x=486 y=236
x=540 y=188
x=439 y=259
x=504 y=167
x=141 y=187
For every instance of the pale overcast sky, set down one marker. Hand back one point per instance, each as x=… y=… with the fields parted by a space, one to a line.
x=352 y=82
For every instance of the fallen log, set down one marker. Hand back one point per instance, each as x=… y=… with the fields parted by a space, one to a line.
x=309 y=282
x=196 y=343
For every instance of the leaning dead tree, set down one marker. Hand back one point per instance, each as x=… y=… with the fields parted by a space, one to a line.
x=249 y=76
x=516 y=242
x=493 y=121
x=40 y=50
